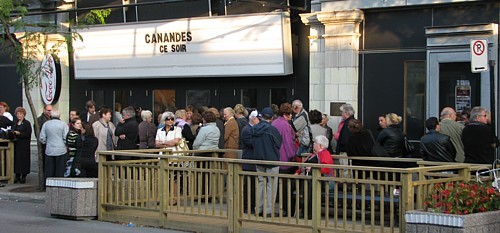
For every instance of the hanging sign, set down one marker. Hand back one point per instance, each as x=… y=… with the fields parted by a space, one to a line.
x=50 y=80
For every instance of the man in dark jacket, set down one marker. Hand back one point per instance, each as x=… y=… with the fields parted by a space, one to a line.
x=347 y=112
x=266 y=146
x=246 y=140
x=435 y=146
x=479 y=138
x=127 y=131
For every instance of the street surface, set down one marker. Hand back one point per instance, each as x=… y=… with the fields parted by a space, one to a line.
x=22 y=217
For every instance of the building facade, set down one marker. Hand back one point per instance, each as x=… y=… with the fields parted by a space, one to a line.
x=412 y=58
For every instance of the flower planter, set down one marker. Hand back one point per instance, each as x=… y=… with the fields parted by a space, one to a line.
x=424 y=222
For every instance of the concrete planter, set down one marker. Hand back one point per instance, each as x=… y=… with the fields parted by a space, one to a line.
x=424 y=222
x=73 y=198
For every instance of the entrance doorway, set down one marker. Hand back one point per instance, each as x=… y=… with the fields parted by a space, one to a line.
x=459 y=88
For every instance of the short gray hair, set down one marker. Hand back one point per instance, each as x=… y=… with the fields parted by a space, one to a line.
x=167 y=115
x=55 y=113
x=474 y=113
x=322 y=140
x=145 y=114
x=347 y=108
x=129 y=111
x=297 y=103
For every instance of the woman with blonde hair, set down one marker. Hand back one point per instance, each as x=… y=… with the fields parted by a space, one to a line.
x=392 y=137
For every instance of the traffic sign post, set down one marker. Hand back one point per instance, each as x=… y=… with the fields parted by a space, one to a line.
x=479 y=55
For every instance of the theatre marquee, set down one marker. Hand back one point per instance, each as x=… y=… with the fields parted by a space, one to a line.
x=243 y=45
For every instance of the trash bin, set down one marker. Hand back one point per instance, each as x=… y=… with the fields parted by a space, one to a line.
x=72 y=198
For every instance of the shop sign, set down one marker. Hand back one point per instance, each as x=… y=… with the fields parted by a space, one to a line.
x=50 y=80
x=462 y=95
x=221 y=46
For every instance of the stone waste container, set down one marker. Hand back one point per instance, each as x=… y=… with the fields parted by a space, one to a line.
x=72 y=198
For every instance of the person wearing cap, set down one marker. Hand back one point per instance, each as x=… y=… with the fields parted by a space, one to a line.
x=247 y=148
x=266 y=145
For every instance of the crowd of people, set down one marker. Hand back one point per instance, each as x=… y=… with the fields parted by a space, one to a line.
x=287 y=133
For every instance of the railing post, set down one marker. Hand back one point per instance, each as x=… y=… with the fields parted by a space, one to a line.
x=164 y=190
x=316 y=200
x=101 y=183
x=465 y=173
x=10 y=162
x=407 y=198
x=233 y=200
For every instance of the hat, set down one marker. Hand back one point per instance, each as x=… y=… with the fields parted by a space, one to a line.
x=267 y=113
x=254 y=113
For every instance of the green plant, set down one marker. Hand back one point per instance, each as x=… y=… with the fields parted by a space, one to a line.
x=462 y=198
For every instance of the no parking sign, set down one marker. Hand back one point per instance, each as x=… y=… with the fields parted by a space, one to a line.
x=479 y=55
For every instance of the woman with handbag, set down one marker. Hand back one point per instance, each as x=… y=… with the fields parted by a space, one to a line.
x=392 y=137
x=320 y=155
x=168 y=137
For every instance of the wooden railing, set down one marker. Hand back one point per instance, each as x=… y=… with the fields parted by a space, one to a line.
x=7 y=161
x=356 y=198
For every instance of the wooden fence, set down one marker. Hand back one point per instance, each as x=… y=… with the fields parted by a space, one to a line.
x=196 y=193
x=6 y=161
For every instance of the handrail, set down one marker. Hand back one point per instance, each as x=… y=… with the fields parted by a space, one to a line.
x=155 y=182
x=7 y=161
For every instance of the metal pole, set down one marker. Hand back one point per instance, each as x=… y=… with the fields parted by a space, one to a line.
x=209 y=8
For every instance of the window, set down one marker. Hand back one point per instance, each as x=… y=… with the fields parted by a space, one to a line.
x=198 y=98
x=163 y=100
x=414 y=117
x=249 y=98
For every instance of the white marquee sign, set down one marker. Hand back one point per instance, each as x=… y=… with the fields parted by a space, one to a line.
x=244 y=45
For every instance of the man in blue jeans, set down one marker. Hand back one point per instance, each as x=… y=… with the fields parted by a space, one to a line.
x=266 y=144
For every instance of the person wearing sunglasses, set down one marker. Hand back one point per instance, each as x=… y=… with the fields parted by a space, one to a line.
x=169 y=135
x=479 y=138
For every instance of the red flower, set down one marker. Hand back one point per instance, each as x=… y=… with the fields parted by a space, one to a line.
x=446 y=193
x=490 y=191
x=463 y=198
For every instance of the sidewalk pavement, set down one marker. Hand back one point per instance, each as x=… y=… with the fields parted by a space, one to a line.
x=27 y=192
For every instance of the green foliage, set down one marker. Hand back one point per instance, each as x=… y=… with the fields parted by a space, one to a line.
x=96 y=17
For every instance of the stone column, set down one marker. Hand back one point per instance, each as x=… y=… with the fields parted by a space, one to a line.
x=334 y=41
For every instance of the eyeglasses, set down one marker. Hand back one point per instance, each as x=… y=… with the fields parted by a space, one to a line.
x=483 y=115
x=169 y=119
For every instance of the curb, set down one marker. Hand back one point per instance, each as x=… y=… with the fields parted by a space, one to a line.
x=38 y=198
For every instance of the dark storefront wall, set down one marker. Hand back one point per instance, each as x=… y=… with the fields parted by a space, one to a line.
x=392 y=38
x=12 y=91
x=378 y=80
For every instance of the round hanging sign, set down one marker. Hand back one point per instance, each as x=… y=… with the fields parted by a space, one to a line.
x=50 y=82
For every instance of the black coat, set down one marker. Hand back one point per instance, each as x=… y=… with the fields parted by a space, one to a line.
x=479 y=143
x=437 y=147
x=392 y=139
x=344 y=136
x=220 y=125
x=86 y=146
x=247 y=140
x=131 y=130
x=22 y=151
x=360 y=144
